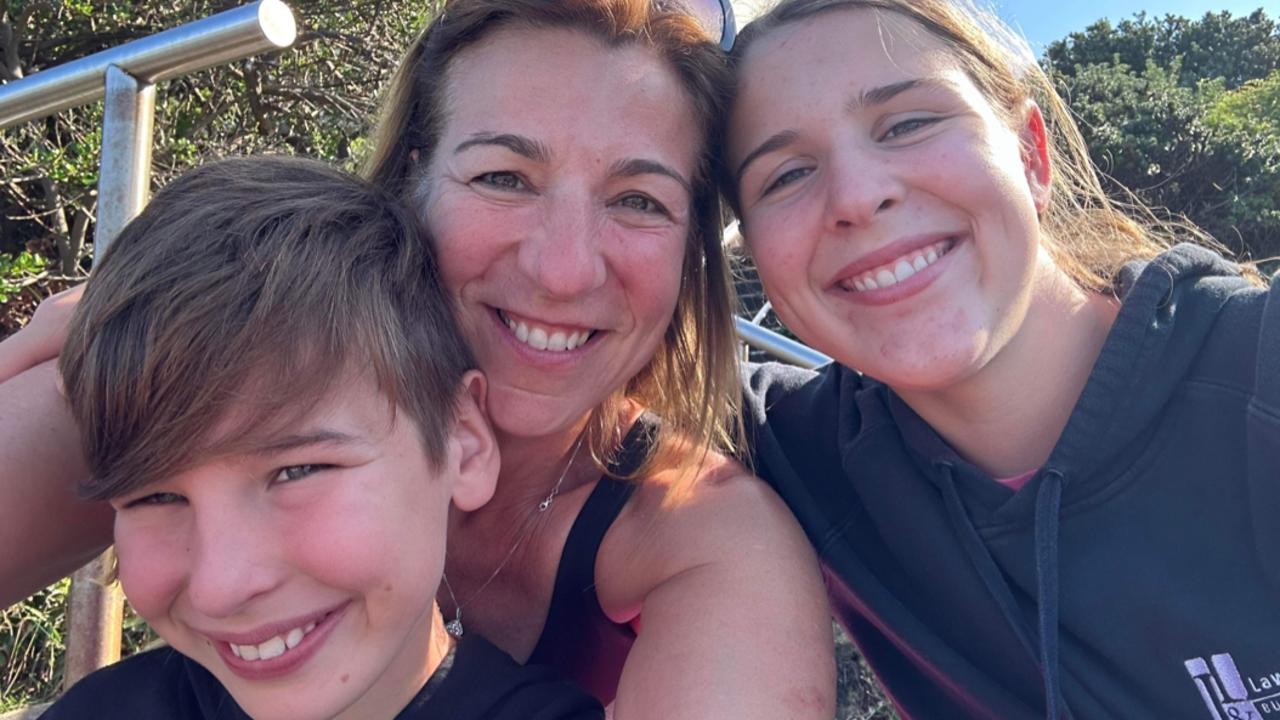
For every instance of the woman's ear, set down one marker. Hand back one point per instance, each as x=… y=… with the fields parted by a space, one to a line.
x=473 y=450
x=1034 y=139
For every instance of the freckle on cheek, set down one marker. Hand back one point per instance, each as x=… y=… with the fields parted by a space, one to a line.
x=345 y=677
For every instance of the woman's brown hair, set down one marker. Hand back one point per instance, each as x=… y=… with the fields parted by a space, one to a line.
x=691 y=382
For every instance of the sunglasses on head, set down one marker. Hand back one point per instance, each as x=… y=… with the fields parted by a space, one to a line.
x=715 y=16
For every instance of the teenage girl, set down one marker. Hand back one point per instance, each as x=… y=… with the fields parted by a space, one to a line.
x=1043 y=473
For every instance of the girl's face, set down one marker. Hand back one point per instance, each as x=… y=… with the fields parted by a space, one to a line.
x=559 y=201
x=891 y=211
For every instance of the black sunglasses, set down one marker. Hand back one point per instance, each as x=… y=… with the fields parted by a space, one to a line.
x=715 y=16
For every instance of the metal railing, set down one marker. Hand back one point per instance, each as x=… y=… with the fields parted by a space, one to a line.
x=125 y=77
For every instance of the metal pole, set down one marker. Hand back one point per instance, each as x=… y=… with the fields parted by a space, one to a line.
x=238 y=33
x=94 y=617
x=779 y=346
x=124 y=178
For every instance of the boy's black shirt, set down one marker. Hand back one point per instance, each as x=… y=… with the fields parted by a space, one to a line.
x=481 y=683
x=1166 y=546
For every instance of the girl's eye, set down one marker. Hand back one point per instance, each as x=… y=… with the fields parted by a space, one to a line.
x=503 y=180
x=787 y=178
x=159 y=498
x=642 y=203
x=297 y=472
x=908 y=126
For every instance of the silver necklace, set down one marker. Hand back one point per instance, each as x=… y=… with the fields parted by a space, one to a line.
x=454 y=626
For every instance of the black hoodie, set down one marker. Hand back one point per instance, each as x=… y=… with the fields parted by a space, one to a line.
x=476 y=682
x=1136 y=575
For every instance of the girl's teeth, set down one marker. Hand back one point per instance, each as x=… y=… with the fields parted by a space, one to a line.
x=902 y=269
x=537 y=339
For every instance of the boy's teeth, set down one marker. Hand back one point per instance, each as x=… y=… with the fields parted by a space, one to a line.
x=897 y=271
x=541 y=339
x=272 y=647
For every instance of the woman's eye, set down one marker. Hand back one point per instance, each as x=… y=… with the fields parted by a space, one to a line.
x=908 y=126
x=297 y=472
x=642 y=203
x=787 y=178
x=159 y=498
x=502 y=180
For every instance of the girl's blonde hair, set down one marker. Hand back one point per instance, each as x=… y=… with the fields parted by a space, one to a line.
x=1089 y=234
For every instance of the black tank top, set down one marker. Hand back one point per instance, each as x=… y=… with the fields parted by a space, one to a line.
x=578 y=639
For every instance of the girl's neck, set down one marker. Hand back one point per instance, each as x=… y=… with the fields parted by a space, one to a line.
x=1007 y=417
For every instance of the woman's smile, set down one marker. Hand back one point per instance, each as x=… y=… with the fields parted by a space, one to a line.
x=561 y=216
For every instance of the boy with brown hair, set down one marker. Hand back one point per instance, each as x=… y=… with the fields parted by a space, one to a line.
x=274 y=396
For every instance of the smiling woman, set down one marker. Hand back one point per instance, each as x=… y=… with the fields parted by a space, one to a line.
x=558 y=154
x=1033 y=400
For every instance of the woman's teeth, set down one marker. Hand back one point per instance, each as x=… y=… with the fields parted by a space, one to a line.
x=898 y=269
x=274 y=647
x=540 y=338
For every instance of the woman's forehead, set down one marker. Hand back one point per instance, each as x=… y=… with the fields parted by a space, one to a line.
x=539 y=80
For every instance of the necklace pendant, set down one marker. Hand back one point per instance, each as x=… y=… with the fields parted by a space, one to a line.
x=542 y=506
x=454 y=627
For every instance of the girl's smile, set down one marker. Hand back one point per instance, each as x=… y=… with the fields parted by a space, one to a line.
x=891 y=209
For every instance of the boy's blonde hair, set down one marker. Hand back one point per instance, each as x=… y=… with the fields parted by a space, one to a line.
x=246 y=289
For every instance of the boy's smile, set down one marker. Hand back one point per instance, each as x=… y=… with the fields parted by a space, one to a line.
x=301 y=569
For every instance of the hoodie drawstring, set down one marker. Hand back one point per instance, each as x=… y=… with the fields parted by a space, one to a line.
x=1048 y=505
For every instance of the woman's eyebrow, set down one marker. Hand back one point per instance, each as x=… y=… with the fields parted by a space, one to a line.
x=639 y=166
x=518 y=144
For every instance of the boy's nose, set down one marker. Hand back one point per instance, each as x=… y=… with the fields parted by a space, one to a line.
x=232 y=562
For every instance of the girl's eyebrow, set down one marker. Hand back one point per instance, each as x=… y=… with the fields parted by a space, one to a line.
x=518 y=144
x=867 y=98
x=776 y=141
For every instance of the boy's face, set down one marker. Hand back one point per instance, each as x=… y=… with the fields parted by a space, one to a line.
x=302 y=572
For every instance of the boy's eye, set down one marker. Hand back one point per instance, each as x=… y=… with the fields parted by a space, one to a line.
x=159 y=498
x=297 y=472
x=503 y=180
x=908 y=126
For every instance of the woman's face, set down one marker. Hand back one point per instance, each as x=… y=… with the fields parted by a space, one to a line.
x=559 y=201
x=891 y=211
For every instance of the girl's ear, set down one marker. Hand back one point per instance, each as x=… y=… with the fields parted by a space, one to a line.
x=1035 y=154
x=473 y=450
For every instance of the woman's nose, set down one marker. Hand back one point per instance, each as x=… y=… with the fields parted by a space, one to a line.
x=564 y=256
